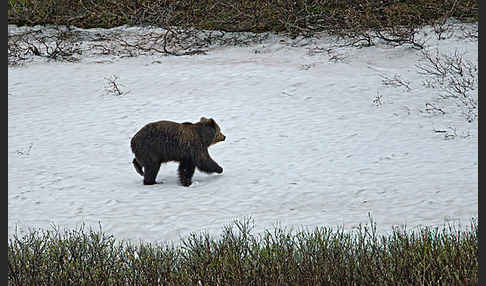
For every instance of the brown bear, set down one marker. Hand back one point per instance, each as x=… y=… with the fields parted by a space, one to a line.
x=186 y=143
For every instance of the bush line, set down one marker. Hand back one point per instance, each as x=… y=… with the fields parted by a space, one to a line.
x=287 y=16
x=322 y=256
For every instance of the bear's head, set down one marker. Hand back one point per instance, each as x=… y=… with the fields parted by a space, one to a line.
x=218 y=136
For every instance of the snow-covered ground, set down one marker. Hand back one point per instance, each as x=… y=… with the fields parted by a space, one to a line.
x=312 y=140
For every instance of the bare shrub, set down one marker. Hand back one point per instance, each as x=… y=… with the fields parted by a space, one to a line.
x=378 y=100
x=172 y=33
x=112 y=86
x=16 y=51
x=470 y=31
x=57 y=44
x=401 y=35
x=68 y=44
x=443 y=28
x=174 y=41
x=456 y=76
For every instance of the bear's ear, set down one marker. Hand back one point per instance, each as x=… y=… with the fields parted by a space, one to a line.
x=209 y=122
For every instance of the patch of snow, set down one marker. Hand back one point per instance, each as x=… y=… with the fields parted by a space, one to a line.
x=310 y=141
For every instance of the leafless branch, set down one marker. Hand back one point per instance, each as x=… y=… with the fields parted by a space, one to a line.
x=429 y=107
x=395 y=81
x=112 y=86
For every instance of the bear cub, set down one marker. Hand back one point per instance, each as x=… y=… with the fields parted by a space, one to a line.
x=186 y=143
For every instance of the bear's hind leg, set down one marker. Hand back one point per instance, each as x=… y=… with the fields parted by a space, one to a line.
x=186 y=171
x=137 y=166
x=151 y=171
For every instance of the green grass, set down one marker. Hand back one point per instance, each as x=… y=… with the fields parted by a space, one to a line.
x=445 y=255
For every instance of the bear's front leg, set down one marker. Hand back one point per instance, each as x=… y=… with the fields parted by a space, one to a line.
x=206 y=164
x=150 y=173
x=186 y=171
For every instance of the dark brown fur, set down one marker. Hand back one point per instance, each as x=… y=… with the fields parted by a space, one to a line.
x=186 y=143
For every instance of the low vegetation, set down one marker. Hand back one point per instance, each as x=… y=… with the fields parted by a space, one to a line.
x=189 y=27
x=290 y=16
x=445 y=255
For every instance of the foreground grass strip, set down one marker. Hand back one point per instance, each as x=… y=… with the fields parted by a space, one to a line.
x=322 y=256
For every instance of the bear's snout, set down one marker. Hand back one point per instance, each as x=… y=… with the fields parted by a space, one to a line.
x=219 y=137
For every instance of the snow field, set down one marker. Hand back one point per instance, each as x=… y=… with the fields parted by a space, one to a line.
x=309 y=142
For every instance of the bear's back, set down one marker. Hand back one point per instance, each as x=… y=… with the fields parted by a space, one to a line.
x=161 y=131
